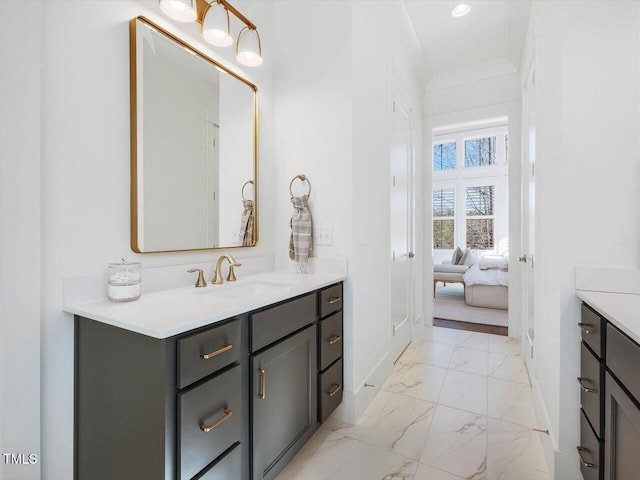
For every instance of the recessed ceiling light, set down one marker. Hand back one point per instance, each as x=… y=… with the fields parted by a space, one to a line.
x=461 y=10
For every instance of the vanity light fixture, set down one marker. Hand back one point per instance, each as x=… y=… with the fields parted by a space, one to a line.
x=213 y=15
x=180 y=10
x=460 y=10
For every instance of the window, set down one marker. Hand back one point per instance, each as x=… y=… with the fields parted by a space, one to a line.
x=444 y=156
x=480 y=152
x=444 y=201
x=480 y=210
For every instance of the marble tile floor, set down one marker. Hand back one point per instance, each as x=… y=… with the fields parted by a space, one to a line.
x=457 y=406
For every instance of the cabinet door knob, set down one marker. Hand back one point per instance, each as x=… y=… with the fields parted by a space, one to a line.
x=262 y=393
x=582 y=381
x=334 y=339
x=584 y=463
x=336 y=388
x=207 y=428
x=207 y=356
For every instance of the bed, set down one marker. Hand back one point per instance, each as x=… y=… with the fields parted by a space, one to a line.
x=487 y=283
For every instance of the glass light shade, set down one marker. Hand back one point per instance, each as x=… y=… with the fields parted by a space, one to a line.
x=180 y=10
x=248 y=49
x=215 y=27
x=460 y=10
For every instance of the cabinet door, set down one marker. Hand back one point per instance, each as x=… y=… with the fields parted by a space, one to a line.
x=284 y=402
x=622 y=437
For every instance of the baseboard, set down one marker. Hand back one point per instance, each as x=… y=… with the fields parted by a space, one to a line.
x=550 y=441
x=355 y=403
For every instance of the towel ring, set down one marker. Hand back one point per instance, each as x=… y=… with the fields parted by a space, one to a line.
x=245 y=184
x=302 y=178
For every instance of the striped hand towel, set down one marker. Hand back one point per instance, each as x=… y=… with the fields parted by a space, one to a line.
x=301 y=242
x=246 y=223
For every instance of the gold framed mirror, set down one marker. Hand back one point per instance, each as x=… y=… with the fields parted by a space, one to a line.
x=194 y=147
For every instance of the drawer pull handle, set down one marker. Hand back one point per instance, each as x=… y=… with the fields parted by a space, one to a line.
x=334 y=339
x=207 y=428
x=581 y=381
x=207 y=356
x=587 y=328
x=333 y=300
x=262 y=394
x=584 y=463
x=336 y=389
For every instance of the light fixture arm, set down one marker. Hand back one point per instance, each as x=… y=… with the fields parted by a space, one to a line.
x=203 y=6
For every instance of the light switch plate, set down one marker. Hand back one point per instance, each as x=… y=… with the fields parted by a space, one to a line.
x=323 y=235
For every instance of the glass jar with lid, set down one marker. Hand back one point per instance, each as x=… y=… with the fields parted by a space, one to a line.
x=124 y=281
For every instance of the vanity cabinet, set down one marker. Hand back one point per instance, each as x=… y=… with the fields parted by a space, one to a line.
x=610 y=401
x=234 y=400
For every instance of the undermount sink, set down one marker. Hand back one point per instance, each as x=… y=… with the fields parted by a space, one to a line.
x=247 y=290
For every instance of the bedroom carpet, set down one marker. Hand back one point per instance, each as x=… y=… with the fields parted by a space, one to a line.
x=449 y=304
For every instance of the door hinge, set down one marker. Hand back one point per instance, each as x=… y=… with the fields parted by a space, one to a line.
x=393 y=181
x=394 y=107
x=393 y=255
x=214 y=196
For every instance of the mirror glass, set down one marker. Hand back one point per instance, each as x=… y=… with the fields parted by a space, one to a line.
x=193 y=147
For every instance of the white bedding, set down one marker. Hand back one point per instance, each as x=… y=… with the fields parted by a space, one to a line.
x=475 y=276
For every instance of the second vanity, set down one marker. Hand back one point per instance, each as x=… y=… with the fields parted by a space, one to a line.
x=207 y=383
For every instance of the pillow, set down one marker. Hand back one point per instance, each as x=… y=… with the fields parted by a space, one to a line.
x=469 y=258
x=457 y=255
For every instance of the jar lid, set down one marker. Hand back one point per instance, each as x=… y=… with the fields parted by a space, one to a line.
x=123 y=262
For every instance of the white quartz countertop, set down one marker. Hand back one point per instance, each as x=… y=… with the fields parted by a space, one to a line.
x=167 y=313
x=621 y=309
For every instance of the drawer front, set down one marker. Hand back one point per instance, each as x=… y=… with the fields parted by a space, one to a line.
x=590 y=381
x=330 y=339
x=205 y=352
x=330 y=390
x=228 y=467
x=623 y=360
x=330 y=300
x=593 y=327
x=590 y=451
x=276 y=322
x=214 y=406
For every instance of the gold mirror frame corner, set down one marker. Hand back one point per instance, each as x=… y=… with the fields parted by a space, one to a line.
x=133 y=122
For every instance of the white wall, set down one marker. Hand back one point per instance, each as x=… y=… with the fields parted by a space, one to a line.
x=84 y=187
x=333 y=82
x=468 y=102
x=587 y=70
x=20 y=232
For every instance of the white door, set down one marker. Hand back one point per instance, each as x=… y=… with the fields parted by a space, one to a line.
x=528 y=217
x=400 y=161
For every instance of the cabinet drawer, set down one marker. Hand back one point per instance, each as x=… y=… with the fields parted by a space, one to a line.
x=593 y=328
x=330 y=339
x=276 y=322
x=590 y=451
x=623 y=360
x=209 y=421
x=330 y=300
x=330 y=390
x=590 y=381
x=205 y=352
x=229 y=467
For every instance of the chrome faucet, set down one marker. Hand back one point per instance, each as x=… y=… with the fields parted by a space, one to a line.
x=217 y=275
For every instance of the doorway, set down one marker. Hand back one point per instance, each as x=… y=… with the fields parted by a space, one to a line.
x=470 y=215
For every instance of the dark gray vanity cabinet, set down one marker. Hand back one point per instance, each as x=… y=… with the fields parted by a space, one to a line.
x=161 y=409
x=610 y=399
x=234 y=400
x=330 y=351
x=283 y=383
